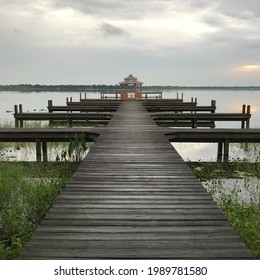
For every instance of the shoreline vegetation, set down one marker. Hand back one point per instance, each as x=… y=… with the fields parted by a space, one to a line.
x=240 y=201
x=76 y=88
x=28 y=190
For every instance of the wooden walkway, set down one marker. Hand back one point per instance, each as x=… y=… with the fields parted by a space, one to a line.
x=134 y=197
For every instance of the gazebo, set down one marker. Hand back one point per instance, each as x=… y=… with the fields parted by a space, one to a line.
x=131 y=88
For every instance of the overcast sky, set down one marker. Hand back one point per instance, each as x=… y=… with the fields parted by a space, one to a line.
x=162 y=42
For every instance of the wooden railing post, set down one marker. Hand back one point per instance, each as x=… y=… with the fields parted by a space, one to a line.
x=50 y=106
x=213 y=105
x=20 y=111
x=248 y=111
x=243 y=112
x=15 y=115
x=50 y=111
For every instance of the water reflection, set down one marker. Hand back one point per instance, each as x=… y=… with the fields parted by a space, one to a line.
x=242 y=191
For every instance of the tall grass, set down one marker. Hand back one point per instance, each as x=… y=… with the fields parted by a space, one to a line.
x=242 y=212
x=26 y=196
x=23 y=203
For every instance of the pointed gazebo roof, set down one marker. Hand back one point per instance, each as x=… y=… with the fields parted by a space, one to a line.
x=130 y=80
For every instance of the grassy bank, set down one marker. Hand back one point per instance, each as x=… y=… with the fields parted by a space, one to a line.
x=244 y=216
x=27 y=191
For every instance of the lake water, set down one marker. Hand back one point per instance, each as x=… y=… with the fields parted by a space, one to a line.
x=226 y=101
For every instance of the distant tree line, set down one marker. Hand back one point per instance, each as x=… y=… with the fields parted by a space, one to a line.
x=85 y=88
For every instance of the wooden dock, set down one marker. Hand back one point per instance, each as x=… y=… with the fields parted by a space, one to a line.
x=133 y=197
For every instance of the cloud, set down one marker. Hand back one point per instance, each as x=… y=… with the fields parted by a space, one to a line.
x=239 y=8
x=105 y=8
x=109 y=30
x=192 y=40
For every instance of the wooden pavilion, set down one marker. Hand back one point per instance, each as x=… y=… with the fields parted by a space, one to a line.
x=131 y=88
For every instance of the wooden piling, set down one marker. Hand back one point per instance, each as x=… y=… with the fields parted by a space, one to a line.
x=20 y=111
x=220 y=151
x=15 y=113
x=69 y=122
x=248 y=111
x=38 y=150
x=226 y=150
x=194 y=123
x=243 y=112
x=213 y=105
x=50 y=104
x=44 y=152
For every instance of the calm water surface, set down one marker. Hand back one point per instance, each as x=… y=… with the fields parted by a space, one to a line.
x=227 y=102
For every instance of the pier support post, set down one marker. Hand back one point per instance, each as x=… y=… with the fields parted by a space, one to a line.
x=80 y=96
x=50 y=111
x=213 y=105
x=50 y=106
x=182 y=95
x=44 y=152
x=243 y=112
x=177 y=95
x=69 y=123
x=20 y=111
x=220 y=151
x=248 y=111
x=226 y=150
x=85 y=95
x=38 y=150
x=194 y=123
x=15 y=115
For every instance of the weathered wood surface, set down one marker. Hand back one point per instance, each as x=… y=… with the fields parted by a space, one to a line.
x=90 y=134
x=47 y=134
x=62 y=116
x=215 y=135
x=83 y=108
x=94 y=102
x=204 y=116
x=133 y=197
x=183 y=108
